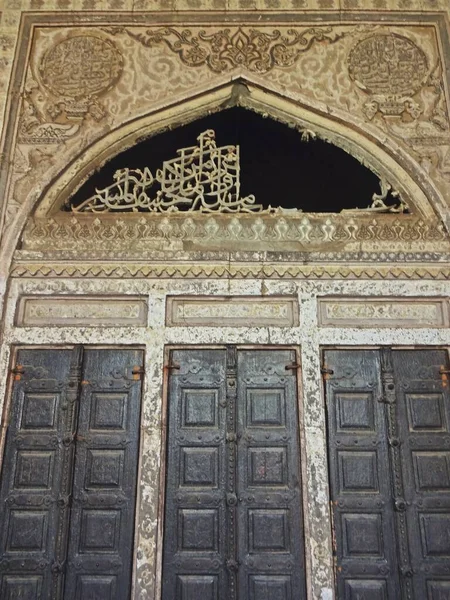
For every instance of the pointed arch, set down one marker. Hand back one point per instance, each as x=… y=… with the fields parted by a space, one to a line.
x=379 y=154
x=364 y=141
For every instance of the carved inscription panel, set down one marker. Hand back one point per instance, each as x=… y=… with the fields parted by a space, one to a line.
x=78 y=311
x=232 y=311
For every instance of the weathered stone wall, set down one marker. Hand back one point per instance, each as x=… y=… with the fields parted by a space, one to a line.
x=83 y=80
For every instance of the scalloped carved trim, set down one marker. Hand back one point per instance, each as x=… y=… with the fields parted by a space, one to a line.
x=235 y=271
x=107 y=236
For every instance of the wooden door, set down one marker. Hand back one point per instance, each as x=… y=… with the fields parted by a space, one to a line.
x=233 y=522
x=68 y=483
x=389 y=452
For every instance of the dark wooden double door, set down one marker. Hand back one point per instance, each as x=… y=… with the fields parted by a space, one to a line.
x=233 y=519
x=68 y=483
x=389 y=450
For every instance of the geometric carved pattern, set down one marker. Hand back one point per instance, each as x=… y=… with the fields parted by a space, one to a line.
x=265 y=408
x=426 y=412
x=193 y=587
x=438 y=590
x=354 y=411
x=199 y=467
x=357 y=589
x=358 y=471
x=39 y=411
x=25 y=588
x=435 y=530
x=99 y=531
x=96 y=586
x=27 y=531
x=199 y=408
x=263 y=587
x=432 y=471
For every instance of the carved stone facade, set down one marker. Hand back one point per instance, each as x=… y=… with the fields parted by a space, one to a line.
x=80 y=81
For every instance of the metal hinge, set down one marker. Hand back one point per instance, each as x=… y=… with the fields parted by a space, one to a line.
x=326 y=372
x=292 y=366
x=174 y=366
x=444 y=373
x=17 y=371
x=137 y=372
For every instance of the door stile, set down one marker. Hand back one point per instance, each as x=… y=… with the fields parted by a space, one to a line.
x=398 y=491
x=70 y=407
x=232 y=564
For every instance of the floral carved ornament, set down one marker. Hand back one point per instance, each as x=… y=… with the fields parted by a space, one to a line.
x=257 y=50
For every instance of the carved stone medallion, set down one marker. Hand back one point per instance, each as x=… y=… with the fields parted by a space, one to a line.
x=388 y=64
x=81 y=66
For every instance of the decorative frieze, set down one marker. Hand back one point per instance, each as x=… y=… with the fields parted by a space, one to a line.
x=134 y=235
x=257 y=270
x=392 y=312
x=258 y=50
x=73 y=311
x=234 y=311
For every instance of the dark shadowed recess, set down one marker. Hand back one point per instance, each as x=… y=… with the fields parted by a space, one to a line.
x=277 y=165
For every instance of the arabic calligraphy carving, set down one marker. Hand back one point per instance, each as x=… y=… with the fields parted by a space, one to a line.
x=204 y=178
x=75 y=72
x=365 y=312
x=388 y=64
x=223 y=50
x=81 y=66
x=391 y=69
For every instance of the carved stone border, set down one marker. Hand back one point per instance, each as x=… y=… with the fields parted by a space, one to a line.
x=230 y=271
